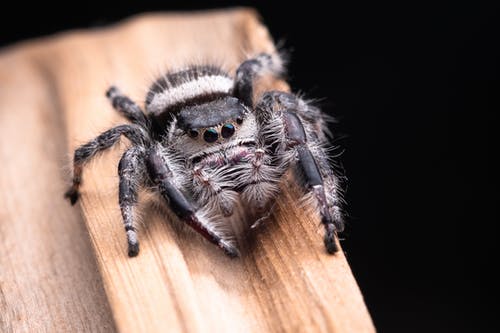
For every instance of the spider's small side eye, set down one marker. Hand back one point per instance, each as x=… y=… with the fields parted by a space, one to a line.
x=227 y=130
x=193 y=133
x=210 y=135
x=239 y=120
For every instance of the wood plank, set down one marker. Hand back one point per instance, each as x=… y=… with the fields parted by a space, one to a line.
x=284 y=280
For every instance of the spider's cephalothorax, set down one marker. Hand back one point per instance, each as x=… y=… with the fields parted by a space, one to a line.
x=205 y=144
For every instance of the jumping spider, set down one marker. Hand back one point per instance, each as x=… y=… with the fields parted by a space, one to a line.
x=205 y=144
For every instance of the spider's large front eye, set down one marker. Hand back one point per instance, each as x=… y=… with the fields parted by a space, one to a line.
x=210 y=135
x=227 y=131
x=193 y=133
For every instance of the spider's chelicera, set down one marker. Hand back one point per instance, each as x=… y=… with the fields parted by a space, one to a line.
x=205 y=144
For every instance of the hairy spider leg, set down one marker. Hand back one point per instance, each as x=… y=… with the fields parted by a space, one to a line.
x=278 y=104
x=126 y=107
x=131 y=172
x=89 y=150
x=249 y=70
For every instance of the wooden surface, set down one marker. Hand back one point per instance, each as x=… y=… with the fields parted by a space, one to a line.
x=52 y=99
x=49 y=280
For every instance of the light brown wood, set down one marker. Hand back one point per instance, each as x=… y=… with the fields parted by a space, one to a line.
x=284 y=281
x=49 y=281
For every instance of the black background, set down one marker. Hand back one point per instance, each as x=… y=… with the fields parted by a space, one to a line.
x=414 y=88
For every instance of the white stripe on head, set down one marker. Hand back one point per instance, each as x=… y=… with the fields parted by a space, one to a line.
x=201 y=86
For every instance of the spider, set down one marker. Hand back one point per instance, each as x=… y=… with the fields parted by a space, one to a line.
x=204 y=144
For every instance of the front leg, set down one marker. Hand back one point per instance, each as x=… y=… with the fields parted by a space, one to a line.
x=185 y=210
x=277 y=114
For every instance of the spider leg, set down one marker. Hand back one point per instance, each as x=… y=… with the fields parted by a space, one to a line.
x=249 y=70
x=313 y=121
x=307 y=163
x=89 y=150
x=130 y=171
x=126 y=107
x=185 y=210
x=291 y=135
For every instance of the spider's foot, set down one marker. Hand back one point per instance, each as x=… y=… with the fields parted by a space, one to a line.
x=133 y=249
x=111 y=92
x=133 y=243
x=229 y=249
x=72 y=194
x=330 y=244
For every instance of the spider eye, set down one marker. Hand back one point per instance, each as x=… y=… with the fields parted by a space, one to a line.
x=193 y=133
x=239 y=120
x=227 y=131
x=210 y=135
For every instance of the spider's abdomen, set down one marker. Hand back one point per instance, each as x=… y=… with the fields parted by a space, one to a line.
x=195 y=85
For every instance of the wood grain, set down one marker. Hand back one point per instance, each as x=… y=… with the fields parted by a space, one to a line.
x=284 y=281
x=49 y=280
